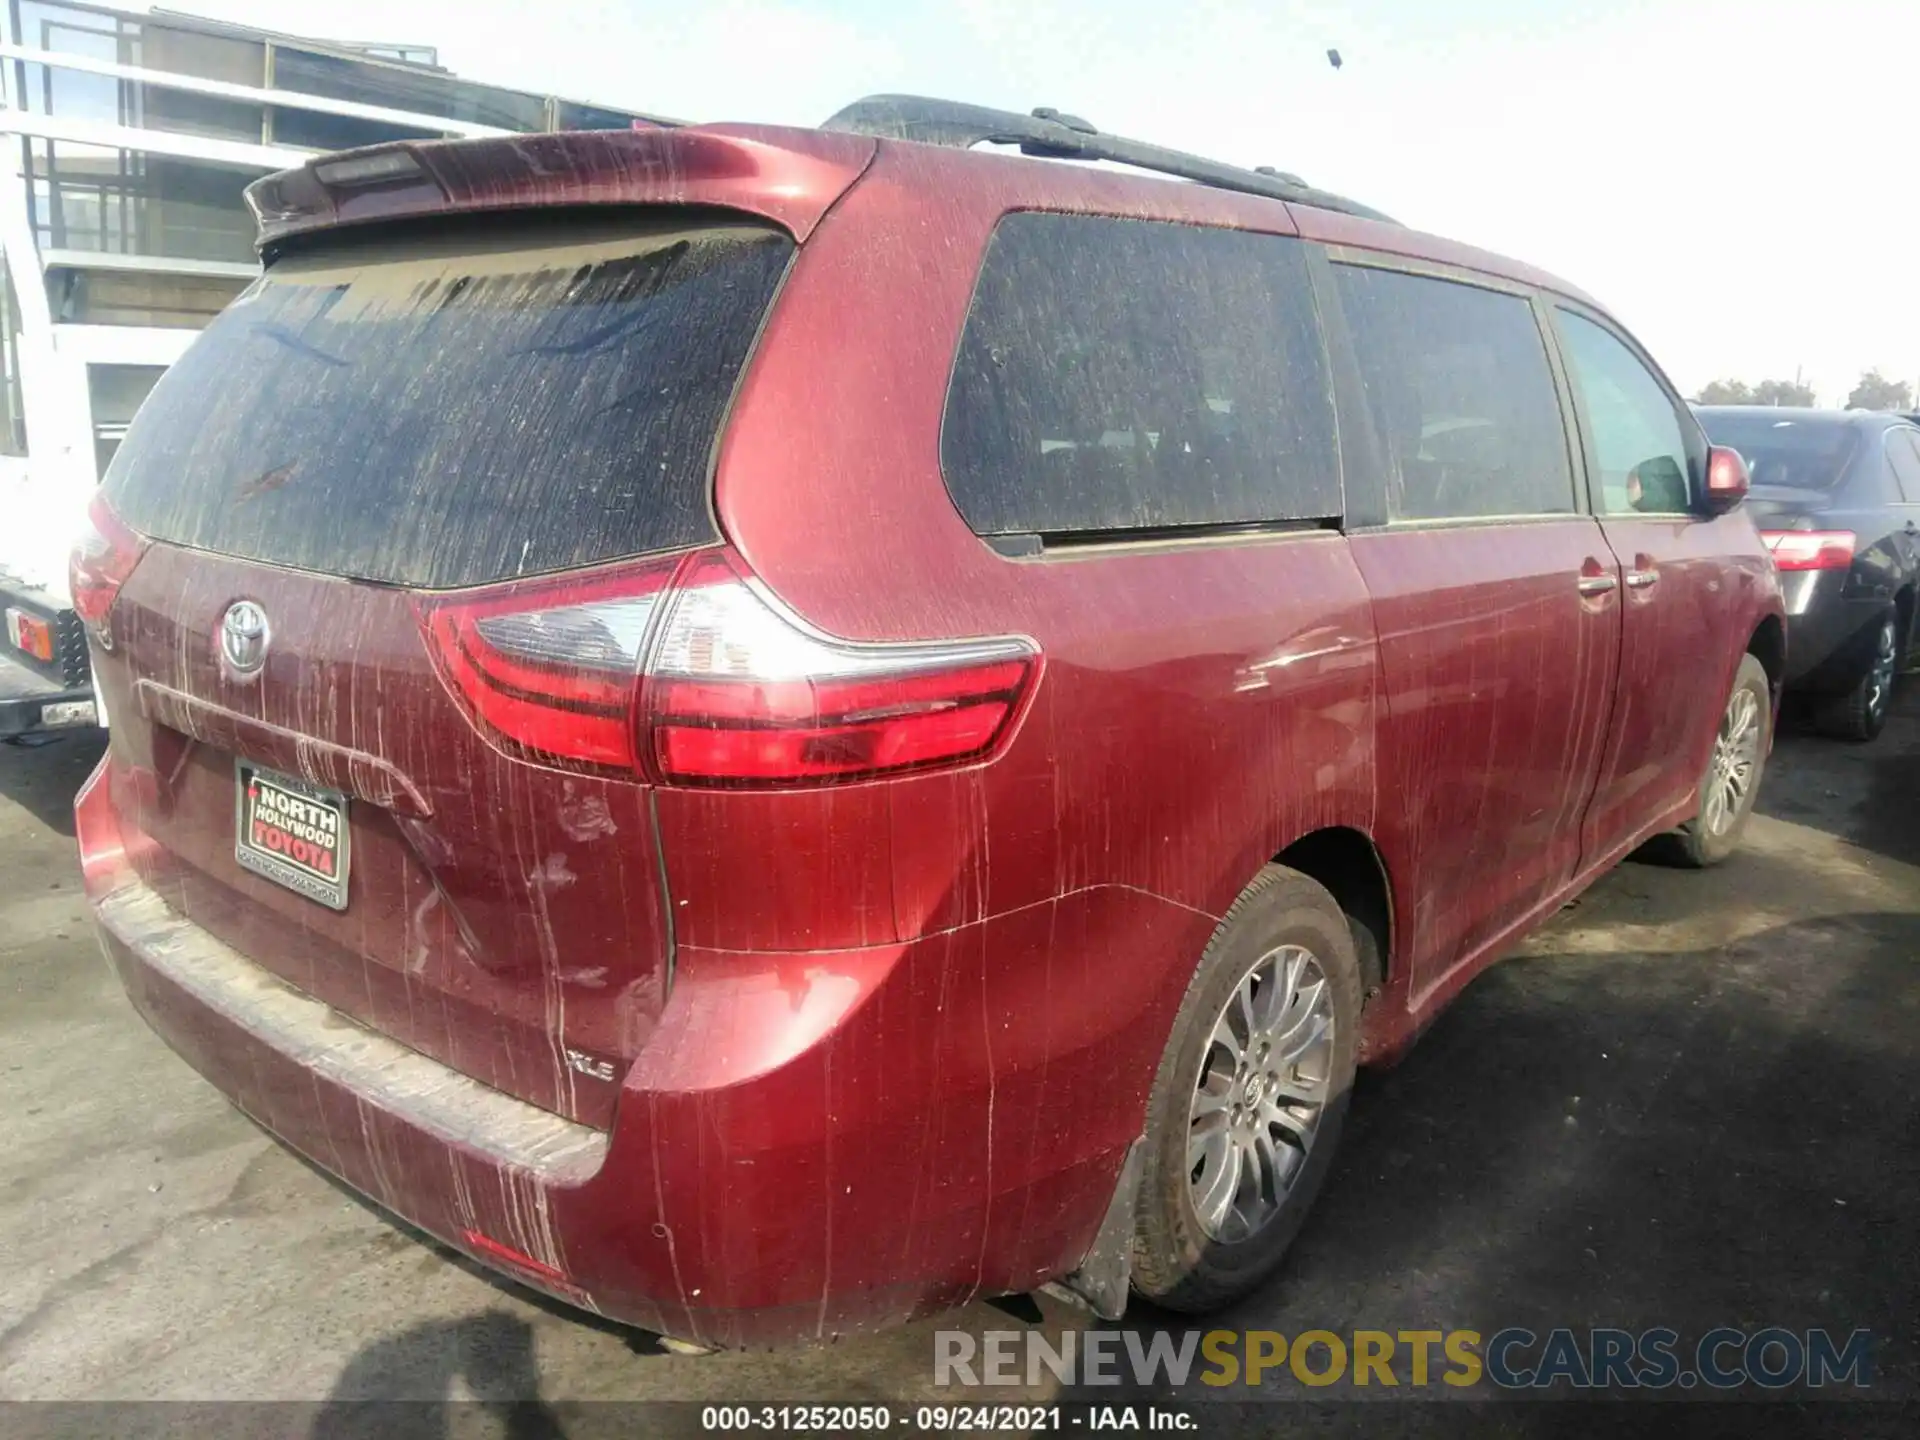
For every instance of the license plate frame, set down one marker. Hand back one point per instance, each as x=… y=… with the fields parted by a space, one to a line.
x=291 y=821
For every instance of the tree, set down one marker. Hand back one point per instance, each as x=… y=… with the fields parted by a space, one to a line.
x=1725 y=392
x=1767 y=392
x=1876 y=392
x=1782 y=392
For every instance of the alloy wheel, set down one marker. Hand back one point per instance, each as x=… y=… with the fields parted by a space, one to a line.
x=1262 y=1091
x=1886 y=660
x=1735 y=763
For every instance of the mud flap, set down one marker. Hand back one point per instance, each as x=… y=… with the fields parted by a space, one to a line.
x=1100 y=1283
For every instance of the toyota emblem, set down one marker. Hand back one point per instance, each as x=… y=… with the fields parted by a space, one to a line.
x=243 y=638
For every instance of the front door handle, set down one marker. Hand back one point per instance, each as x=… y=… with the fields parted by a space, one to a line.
x=1641 y=579
x=1597 y=584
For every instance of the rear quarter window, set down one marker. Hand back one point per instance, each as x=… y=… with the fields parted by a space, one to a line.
x=459 y=410
x=1128 y=375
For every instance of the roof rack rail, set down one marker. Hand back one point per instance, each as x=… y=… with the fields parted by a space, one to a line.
x=1048 y=134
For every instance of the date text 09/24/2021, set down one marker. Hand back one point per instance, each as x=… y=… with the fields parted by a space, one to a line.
x=940 y=1419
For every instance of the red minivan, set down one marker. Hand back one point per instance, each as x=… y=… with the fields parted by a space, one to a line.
x=769 y=730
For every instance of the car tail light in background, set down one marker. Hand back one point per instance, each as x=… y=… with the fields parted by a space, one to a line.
x=29 y=634
x=103 y=558
x=1810 y=549
x=692 y=673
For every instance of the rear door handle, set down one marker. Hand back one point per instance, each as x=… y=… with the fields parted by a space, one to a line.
x=1597 y=584
x=1641 y=579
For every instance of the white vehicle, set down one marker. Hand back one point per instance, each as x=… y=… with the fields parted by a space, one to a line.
x=126 y=141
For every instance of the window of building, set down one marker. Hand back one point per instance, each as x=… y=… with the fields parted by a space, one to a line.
x=1639 y=445
x=315 y=130
x=1120 y=375
x=1461 y=397
x=116 y=393
x=167 y=301
x=151 y=45
x=425 y=92
x=129 y=202
x=567 y=115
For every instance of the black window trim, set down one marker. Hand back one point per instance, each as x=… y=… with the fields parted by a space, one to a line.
x=1690 y=426
x=1356 y=431
x=1039 y=546
x=1428 y=269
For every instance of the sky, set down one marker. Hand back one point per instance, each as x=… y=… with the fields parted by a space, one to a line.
x=1739 y=183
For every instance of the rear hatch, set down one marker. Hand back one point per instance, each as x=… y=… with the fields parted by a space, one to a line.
x=349 y=483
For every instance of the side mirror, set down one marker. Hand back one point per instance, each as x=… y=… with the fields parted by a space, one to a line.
x=1727 y=481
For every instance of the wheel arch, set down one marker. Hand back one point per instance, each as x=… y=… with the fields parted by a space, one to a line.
x=1347 y=862
x=1768 y=645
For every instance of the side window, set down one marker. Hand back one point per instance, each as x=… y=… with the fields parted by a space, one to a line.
x=1903 y=454
x=1461 y=397
x=1638 y=441
x=1121 y=375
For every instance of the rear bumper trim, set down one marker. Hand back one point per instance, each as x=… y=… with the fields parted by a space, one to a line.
x=381 y=1072
x=25 y=696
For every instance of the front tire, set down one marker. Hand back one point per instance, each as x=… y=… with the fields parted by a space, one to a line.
x=1734 y=770
x=1860 y=714
x=1250 y=1097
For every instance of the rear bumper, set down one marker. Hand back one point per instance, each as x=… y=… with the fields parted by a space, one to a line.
x=1823 y=626
x=809 y=1146
x=30 y=703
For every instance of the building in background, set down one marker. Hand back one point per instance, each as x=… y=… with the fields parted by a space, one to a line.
x=128 y=140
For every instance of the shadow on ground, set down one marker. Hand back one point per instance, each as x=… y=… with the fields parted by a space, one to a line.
x=490 y=1355
x=43 y=779
x=1867 y=795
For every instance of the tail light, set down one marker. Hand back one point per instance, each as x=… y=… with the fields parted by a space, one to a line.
x=1810 y=549
x=691 y=673
x=553 y=669
x=103 y=558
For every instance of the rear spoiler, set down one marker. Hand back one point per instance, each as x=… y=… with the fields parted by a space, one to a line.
x=789 y=177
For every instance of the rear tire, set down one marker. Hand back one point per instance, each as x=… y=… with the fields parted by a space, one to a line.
x=1860 y=713
x=1745 y=737
x=1250 y=1097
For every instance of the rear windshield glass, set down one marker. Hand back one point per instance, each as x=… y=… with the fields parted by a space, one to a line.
x=459 y=414
x=1121 y=375
x=1802 y=454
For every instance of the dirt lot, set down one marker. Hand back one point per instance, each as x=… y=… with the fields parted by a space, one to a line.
x=1691 y=1102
